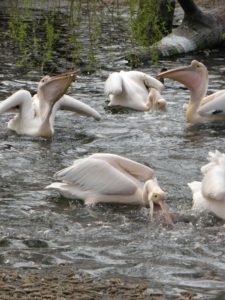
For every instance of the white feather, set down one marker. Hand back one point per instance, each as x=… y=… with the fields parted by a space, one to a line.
x=210 y=193
x=199 y=202
x=97 y=175
x=104 y=177
x=71 y=104
x=131 y=89
x=114 y=84
x=35 y=115
x=214 y=106
x=213 y=183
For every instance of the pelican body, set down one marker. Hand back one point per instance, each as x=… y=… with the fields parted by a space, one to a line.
x=132 y=89
x=201 y=108
x=210 y=193
x=36 y=115
x=110 y=178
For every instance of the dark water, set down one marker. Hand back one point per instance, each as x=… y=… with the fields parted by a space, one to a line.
x=38 y=228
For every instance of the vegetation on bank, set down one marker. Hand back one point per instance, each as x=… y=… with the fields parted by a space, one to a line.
x=65 y=33
x=79 y=30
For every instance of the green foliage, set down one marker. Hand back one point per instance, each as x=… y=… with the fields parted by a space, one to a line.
x=224 y=36
x=38 y=38
x=35 y=36
x=51 y=37
x=42 y=39
x=133 y=4
x=146 y=26
x=18 y=32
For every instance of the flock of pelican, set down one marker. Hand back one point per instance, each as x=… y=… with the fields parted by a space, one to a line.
x=110 y=178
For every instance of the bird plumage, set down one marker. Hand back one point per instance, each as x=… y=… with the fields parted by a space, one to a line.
x=201 y=108
x=132 y=89
x=35 y=115
x=210 y=193
x=110 y=178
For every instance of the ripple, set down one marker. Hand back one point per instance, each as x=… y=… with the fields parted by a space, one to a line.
x=39 y=228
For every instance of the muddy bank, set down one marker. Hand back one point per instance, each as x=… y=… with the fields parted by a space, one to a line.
x=65 y=283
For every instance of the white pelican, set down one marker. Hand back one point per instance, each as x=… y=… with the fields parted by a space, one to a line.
x=210 y=193
x=155 y=100
x=36 y=114
x=201 y=108
x=131 y=89
x=110 y=178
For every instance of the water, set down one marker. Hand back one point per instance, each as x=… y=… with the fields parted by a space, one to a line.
x=38 y=228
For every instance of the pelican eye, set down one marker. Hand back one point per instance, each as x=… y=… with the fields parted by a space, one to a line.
x=156 y=196
x=198 y=66
x=45 y=78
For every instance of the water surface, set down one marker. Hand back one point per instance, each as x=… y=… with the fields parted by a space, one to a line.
x=38 y=228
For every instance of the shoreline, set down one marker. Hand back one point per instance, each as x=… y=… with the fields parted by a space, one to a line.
x=64 y=282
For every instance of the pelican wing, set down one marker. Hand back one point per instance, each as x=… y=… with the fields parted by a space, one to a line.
x=126 y=165
x=213 y=104
x=149 y=81
x=114 y=84
x=213 y=184
x=17 y=100
x=215 y=159
x=152 y=82
x=71 y=104
x=198 y=201
x=97 y=175
x=195 y=186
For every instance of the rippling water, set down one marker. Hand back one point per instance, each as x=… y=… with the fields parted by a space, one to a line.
x=38 y=228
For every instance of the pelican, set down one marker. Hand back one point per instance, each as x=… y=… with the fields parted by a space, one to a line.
x=131 y=89
x=155 y=100
x=201 y=108
x=210 y=193
x=36 y=114
x=110 y=178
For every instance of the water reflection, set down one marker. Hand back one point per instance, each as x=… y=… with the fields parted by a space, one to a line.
x=75 y=31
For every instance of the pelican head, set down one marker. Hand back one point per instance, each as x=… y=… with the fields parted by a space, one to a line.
x=154 y=195
x=52 y=88
x=194 y=77
x=156 y=101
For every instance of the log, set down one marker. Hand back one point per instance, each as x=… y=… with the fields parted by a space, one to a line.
x=198 y=30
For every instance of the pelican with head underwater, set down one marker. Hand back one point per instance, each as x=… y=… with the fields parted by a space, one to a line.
x=35 y=115
x=201 y=108
x=135 y=90
x=110 y=178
